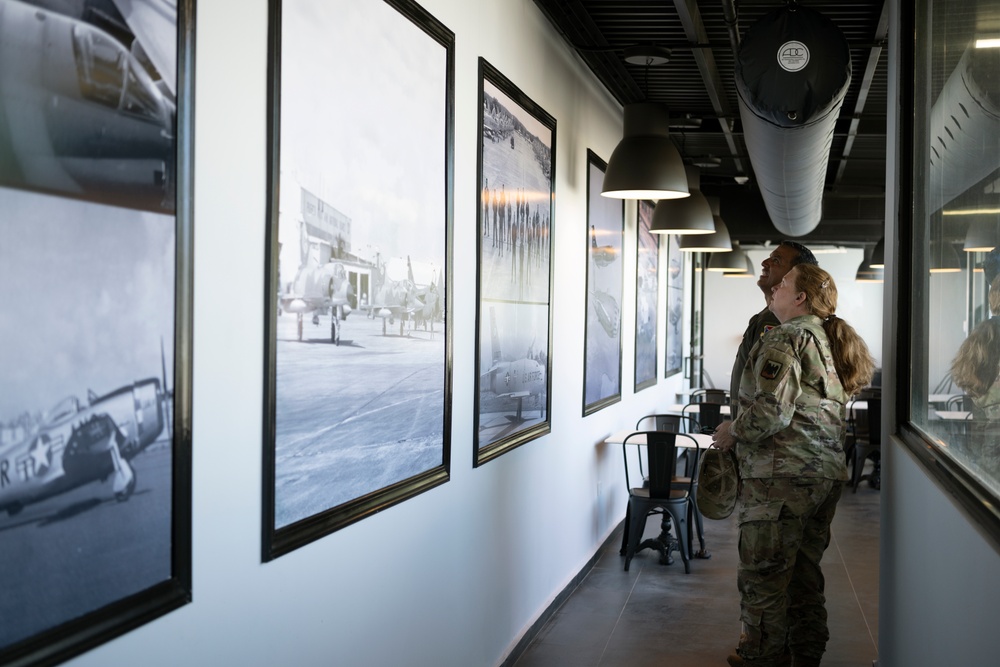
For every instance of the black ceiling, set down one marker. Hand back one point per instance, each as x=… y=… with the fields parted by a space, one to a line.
x=698 y=81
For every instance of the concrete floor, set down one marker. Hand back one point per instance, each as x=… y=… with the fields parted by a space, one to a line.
x=656 y=615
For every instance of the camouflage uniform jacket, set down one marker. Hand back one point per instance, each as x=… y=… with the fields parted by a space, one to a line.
x=758 y=325
x=791 y=420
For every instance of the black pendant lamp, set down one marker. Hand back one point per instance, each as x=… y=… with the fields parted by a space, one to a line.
x=981 y=236
x=943 y=258
x=690 y=215
x=718 y=241
x=868 y=273
x=729 y=262
x=878 y=255
x=645 y=164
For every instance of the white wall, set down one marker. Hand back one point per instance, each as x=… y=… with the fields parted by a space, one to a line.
x=730 y=302
x=456 y=575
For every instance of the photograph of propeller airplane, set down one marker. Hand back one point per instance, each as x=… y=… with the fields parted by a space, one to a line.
x=77 y=443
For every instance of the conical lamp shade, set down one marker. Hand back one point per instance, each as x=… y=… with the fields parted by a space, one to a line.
x=981 y=237
x=645 y=164
x=866 y=272
x=690 y=215
x=878 y=255
x=943 y=258
x=717 y=242
x=729 y=262
x=745 y=273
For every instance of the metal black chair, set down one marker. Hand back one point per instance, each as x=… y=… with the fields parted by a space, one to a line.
x=657 y=496
x=864 y=441
x=702 y=417
x=720 y=396
x=689 y=458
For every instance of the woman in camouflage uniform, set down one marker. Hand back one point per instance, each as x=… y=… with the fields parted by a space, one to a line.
x=789 y=437
x=975 y=369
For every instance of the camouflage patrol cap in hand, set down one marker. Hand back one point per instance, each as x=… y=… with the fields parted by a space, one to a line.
x=717 y=484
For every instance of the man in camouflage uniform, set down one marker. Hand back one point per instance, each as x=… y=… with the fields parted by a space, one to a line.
x=789 y=437
x=786 y=255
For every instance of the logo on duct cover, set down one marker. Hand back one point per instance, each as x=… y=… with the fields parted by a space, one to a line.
x=793 y=56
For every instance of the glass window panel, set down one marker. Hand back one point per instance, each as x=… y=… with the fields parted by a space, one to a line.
x=955 y=362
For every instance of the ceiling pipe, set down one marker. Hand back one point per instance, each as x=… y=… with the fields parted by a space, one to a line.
x=732 y=17
x=964 y=124
x=793 y=69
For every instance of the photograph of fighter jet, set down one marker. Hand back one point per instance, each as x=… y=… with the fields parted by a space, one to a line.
x=85 y=407
x=357 y=334
x=88 y=99
x=602 y=368
x=675 y=306
x=95 y=282
x=516 y=163
x=647 y=290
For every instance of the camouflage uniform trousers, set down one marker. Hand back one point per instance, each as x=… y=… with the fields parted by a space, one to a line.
x=784 y=530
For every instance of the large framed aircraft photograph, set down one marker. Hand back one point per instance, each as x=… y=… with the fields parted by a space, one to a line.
x=647 y=294
x=514 y=282
x=602 y=366
x=96 y=282
x=358 y=325
x=675 y=306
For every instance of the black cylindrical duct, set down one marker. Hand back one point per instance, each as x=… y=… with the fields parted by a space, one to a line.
x=964 y=128
x=792 y=72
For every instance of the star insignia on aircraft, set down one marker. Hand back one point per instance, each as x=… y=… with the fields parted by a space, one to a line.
x=41 y=453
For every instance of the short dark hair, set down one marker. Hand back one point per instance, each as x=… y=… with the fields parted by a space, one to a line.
x=805 y=255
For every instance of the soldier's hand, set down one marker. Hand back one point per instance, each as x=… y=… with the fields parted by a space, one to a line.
x=723 y=438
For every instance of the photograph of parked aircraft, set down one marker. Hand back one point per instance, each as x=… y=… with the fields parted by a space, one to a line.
x=81 y=442
x=513 y=382
x=602 y=369
x=86 y=491
x=364 y=419
x=675 y=305
x=399 y=296
x=647 y=290
x=87 y=99
x=514 y=283
x=319 y=288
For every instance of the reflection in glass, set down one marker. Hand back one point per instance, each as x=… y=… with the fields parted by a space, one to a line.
x=956 y=342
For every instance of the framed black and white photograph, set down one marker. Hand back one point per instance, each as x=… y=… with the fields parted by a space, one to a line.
x=514 y=309
x=96 y=283
x=602 y=367
x=647 y=290
x=358 y=363
x=675 y=306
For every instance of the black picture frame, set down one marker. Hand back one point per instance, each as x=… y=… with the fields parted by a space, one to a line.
x=602 y=355
x=647 y=294
x=675 y=307
x=517 y=148
x=357 y=413
x=106 y=474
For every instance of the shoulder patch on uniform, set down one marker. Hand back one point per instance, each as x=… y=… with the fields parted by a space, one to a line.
x=770 y=370
x=767 y=327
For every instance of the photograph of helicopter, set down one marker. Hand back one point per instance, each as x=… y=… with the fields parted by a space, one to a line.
x=602 y=368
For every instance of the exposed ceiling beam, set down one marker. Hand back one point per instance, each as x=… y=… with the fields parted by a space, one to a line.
x=694 y=29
